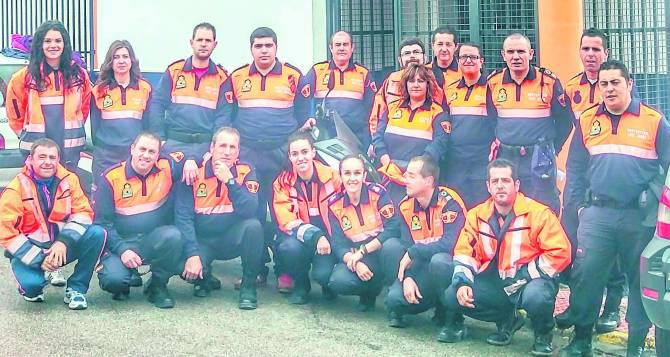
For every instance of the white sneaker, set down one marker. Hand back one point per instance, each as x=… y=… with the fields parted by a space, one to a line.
x=56 y=277
x=75 y=300
x=38 y=298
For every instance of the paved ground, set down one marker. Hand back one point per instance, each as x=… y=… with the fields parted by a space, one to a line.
x=214 y=326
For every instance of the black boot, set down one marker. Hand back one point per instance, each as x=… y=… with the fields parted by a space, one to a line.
x=453 y=331
x=608 y=321
x=439 y=315
x=542 y=345
x=300 y=293
x=580 y=346
x=248 y=299
x=159 y=295
x=328 y=293
x=396 y=320
x=135 y=278
x=506 y=330
x=366 y=302
x=201 y=288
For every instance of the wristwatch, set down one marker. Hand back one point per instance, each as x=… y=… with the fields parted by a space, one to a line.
x=363 y=249
x=230 y=182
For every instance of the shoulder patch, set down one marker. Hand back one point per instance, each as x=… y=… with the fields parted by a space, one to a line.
x=449 y=217
x=387 y=210
x=177 y=156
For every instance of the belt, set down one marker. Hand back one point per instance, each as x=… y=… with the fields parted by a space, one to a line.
x=196 y=138
x=263 y=144
x=514 y=150
x=604 y=201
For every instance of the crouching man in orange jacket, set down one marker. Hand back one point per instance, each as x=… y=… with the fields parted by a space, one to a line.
x=507 y=257
x=46 y=223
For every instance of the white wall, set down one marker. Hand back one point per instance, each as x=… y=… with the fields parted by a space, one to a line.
x=160 y=30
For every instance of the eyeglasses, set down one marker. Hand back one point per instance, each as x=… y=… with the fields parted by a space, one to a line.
x=409 y=53
x=468 y=57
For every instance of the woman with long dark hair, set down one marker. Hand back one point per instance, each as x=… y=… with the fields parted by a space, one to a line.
x=119 y=106
x=50 y=97
x=412 y=126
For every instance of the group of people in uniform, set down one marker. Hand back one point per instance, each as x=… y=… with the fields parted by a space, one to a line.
x=465 y=220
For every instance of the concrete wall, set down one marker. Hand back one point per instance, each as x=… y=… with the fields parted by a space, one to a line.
x=160 y=30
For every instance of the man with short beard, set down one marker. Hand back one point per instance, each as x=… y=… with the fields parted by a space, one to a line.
x=188 y=105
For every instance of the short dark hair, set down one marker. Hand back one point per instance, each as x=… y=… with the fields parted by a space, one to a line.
x=473 y=45
x=411 y=42
x=300 y=135
x=206 y=26
x=428 y=167
x=444 y=30
x=354 y=157
x=615 y=64
x=262 y=32
x=501 y=164
x=44 y=142
x=594 y=32
x=149 y=135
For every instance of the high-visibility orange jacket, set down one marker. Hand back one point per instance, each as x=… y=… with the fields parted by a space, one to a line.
x=387 y=93
x=534 y=244
x=444 y=77
x=616 y=157
x=128 y=204
x=268 y=108
x=119 y=114
x=27 y=228
x=301 y=208
x=433 y=229
x=349 y=92
x=208 y=206
x=535 y=110
x=194 y=105
x=56 y=112
x=374 y=217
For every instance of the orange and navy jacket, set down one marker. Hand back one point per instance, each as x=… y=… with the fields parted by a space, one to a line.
x=209 y=207
x=617 y=157
x=268 y=108
x=536 y=110
x=374 y=217
x=56 y=112
x=583 y=94
x=533 y=246
x=300 y=208
x=128 y=204
x=473 y=119
x=350 y=92
x=434 y=229
x=387 y=93
x=186 y=104
x=27 y=228
x=119 y=114
x=444 y=76
x=404 y=133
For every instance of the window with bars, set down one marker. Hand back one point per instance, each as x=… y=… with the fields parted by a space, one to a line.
x=638 y=35
x=24 y=16
x=371 y=23
x=487 y=22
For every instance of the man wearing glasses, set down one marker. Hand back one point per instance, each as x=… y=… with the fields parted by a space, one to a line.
x=472 y=118
x=412 y=50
